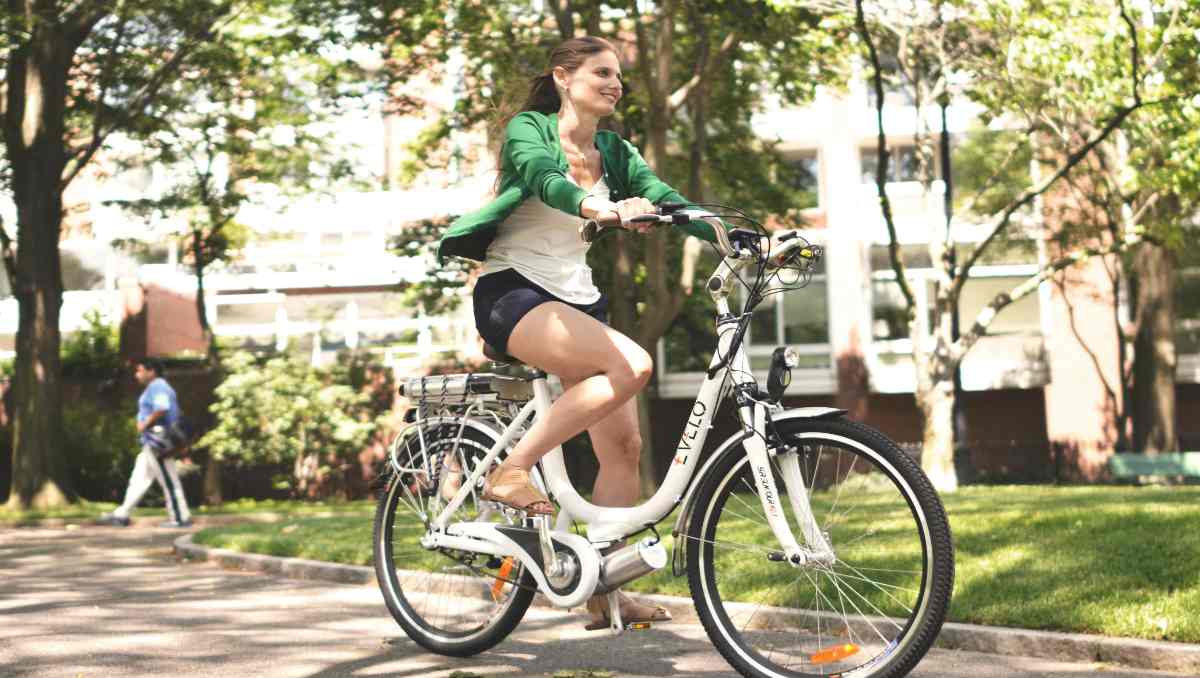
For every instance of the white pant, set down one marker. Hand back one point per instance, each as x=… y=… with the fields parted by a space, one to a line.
x=146 y=470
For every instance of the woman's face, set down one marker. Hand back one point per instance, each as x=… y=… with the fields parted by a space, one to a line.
x=594 y=87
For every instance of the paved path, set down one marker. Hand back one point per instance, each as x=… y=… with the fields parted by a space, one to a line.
x=91 y=601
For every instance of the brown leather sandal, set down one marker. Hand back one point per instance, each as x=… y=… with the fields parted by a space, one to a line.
x=510 y=485
x=452 y=479
x=632 y=612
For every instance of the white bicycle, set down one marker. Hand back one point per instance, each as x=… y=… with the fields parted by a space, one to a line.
x=812 y=544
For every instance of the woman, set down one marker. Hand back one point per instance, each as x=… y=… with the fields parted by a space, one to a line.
x=535 y=299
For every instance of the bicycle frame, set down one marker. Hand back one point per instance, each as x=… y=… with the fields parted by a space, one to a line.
x=477 y=417
x=608 y=524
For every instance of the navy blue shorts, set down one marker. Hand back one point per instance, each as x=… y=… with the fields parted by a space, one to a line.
x=501 y=299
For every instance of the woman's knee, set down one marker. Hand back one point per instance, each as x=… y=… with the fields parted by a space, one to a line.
x=625 y=451
x=635 y=369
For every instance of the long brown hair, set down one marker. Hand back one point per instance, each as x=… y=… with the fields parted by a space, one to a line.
x=543 y=95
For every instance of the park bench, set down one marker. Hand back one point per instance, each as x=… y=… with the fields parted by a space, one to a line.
x=1125 y=466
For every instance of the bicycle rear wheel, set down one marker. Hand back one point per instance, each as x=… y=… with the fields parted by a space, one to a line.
x=874 y=611
x=450 y=602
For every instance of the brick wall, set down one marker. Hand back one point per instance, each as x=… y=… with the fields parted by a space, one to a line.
x=1006 y=428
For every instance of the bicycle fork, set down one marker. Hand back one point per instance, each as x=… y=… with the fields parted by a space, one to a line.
x=816 y=547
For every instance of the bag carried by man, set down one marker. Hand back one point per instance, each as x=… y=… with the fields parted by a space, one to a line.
x=171 y=440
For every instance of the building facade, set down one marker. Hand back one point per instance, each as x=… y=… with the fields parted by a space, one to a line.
x=1038 y=390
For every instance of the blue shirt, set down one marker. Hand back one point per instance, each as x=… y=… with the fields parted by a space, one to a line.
x=158 y=396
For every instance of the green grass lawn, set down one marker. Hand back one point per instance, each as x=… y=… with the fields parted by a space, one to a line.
x=1119 y=561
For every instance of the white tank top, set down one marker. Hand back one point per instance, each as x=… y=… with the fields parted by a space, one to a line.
x=543 y=244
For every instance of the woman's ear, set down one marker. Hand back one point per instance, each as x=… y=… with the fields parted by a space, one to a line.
x=559 y=74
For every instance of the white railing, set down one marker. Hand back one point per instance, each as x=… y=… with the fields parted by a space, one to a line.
x=805 y=380
x=455 y=334
x=72 y=316
x=1187 y=369
x=1012 y=360
x=360 y=272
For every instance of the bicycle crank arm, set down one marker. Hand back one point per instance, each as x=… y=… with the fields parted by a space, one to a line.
x=524 y=544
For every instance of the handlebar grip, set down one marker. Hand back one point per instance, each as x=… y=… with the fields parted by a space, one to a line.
x=592 y=227
x=589 y=230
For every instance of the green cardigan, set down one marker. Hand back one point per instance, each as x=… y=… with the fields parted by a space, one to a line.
x=532 y=163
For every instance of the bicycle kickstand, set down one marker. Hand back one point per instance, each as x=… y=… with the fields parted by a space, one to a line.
x=614 y=613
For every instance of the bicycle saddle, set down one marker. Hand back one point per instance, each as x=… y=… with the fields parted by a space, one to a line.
x=492 y=353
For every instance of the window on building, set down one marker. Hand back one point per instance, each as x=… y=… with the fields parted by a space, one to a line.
x=804 y=174
x=988 y=280
x=796 y=317
x=793 y=317
x=889 y=318
x=895 y=92
x=901 y=167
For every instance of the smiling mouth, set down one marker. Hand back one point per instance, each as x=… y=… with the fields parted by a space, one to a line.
x=611 y=97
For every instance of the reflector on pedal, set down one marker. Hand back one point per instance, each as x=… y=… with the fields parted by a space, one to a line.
x=638 y=626
x=832 y=654
x=498 y=586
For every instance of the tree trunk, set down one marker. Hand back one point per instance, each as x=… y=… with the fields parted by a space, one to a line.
x=212 y=470
x=33 y=131
x=647 y=471
x=937 y=441
x=622 y=315
x=199 y=262
x=213 y=496
x=1154 y=352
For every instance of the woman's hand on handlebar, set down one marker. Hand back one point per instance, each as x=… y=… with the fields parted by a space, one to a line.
x=632 y=207
x=610 y=214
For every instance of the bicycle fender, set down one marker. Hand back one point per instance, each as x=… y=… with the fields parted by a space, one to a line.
x=815 y=413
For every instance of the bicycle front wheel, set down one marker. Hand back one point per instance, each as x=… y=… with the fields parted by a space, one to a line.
x=875 y=610
x=450 y=602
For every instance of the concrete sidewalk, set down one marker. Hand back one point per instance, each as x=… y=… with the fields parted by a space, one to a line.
x=89 y=601
x=1127 y=652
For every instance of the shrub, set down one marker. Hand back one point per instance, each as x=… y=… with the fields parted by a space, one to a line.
x=280 y=410
x=100 y=440
x=94 y=351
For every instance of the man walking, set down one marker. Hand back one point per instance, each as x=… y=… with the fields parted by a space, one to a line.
x=158 y=409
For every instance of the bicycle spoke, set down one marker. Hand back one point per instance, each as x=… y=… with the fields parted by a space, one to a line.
x=818 y=618
x=441 y=595
x=862 y=616
x=879 y=587
x=875 y=608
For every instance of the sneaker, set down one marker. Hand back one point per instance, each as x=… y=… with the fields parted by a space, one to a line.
x=176 y=524
x=113 y=520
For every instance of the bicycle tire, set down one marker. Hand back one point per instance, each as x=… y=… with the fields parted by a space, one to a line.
x=442 y=604
x=842 y=616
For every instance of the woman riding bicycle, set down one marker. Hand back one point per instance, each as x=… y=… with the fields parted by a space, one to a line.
x=535 y=299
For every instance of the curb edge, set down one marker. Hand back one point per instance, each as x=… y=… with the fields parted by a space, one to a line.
x=1134 y=653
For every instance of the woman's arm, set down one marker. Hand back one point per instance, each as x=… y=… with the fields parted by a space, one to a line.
x=645 y=183
x=537 y=163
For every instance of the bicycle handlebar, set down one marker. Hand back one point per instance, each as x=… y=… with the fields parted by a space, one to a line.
x=592 y=228
x=667 y=213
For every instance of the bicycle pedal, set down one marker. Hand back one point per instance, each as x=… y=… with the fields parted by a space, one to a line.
x=637 y=626
x=631 y=626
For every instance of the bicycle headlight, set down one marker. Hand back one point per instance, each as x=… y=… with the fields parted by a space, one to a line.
x=780 y=375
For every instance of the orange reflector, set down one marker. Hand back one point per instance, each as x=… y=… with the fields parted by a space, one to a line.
x=638 y=626
x=832 y=654
x=498 y=587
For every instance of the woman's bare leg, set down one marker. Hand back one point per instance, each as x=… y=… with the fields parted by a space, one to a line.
x=617 y=443
x=604 y=367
